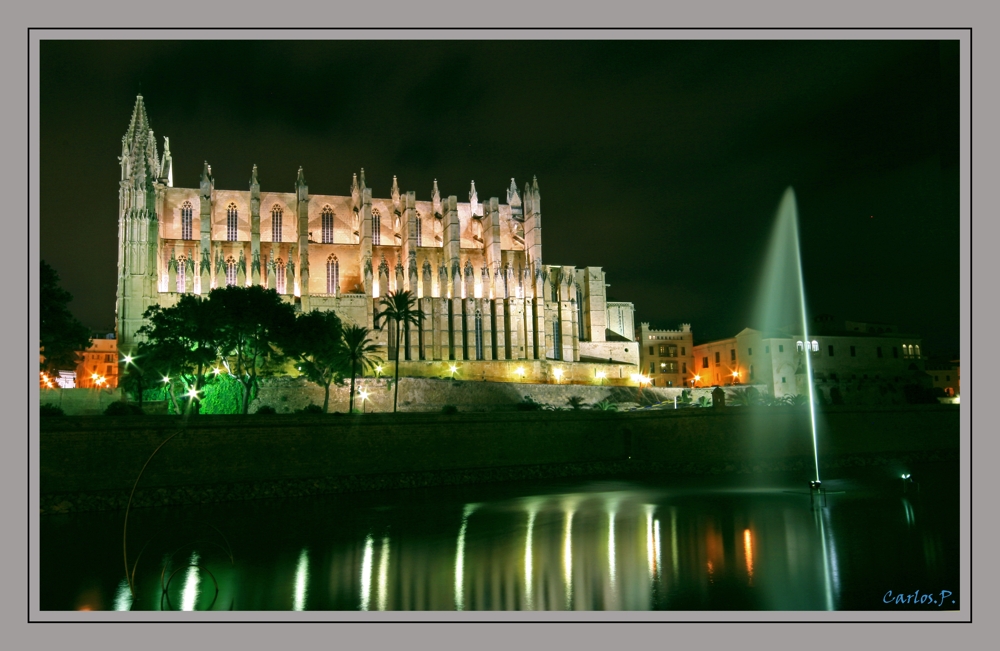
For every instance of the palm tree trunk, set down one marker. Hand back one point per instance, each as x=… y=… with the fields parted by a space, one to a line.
x=326 y=399
x=354 y=372
x=395 y=394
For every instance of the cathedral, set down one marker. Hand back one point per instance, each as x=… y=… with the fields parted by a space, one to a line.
x=487 y=298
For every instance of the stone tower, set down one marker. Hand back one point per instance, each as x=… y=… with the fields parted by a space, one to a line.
x=139 y=191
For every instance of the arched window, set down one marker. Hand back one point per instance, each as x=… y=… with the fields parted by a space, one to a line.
x=815 y=346
x=420 y=230
x=555 y=292
x=376 y=228
x=181 y=274
x=556 y=338
x=232 y=217
x=230 y=271
x=279 y=272
x=327 y=225
x=798 y=346
x=186 y=211
x=479 y=335
x=579 y=313
x=332 y=274
x=918 y=350
x=276 y=214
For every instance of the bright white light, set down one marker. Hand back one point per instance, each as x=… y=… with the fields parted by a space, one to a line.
x=460 y=559
x=216 y=370
x=128 y=359
x=558 y=373
x=192 y=394
x=378 y=369
x=383 y=574
x=301 y=579
x=363 y=394
x=527 y=562
x=366 y=573
x=568 y=560
x=166 y=379
x=190 y=595
x=601 y=375
x=520 y=371
x=611 y=546
x=123 y=597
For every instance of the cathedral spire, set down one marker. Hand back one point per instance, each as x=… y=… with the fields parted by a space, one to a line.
x=474 y=198
x=138 y=127
x=363 y=186
x=253 y=177
x=436 y=198
x=394 y=192
x=166 y=164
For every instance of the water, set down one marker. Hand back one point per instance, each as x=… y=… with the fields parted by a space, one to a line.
x=781 y=300
x=731 y=543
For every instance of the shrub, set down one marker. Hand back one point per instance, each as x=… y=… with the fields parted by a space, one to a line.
x=310 y=409
x=575 y=402
x=50 y=410
x=266 y=409
x=122 y=409
x=528 y=405
x=449 y=409
x=605 y=405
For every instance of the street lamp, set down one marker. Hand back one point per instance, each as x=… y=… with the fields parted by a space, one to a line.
x=600 y=376
x=558 y=373
x=452 y=369
x=364 y=398
x=378 y=371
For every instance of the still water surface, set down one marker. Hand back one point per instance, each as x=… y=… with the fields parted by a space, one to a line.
x=733 y=543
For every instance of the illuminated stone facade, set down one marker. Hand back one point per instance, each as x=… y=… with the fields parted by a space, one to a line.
x=475 y=267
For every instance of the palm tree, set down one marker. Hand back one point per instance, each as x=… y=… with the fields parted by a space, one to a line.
x=359 y=350
x=401 y=308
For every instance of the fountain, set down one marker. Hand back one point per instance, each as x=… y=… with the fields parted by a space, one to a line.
x=782 y=299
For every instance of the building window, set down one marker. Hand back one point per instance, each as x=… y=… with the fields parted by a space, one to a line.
x=732 y=354
x=749 y=352
x=420 y=230
x=181 y=274
x=829 y=349
x=652 y=368
x=186 y=211
x=895 y=353
x=276 y=213
x=230 y=271
x=853 y=352
x=918 y=350
x=878 y=351
x=815 y=346
x=751 y=371
x=327 y=220
x=376 y=228
x=479 y=334
x=704 y=362
x=332 y=274
x=781 y=348
x=947 y=378
x=555 y=292
x=232 y=217
x=767 y=350
x=684 y=368
x=682 y=351
x=650 y=350
x=798 y=346
x=668 y=367
x=556 y=338
x=716 y=358
x=782 y=380
x=279 y=272
x=579 y=313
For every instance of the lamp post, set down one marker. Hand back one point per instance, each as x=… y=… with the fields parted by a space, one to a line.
x=364 y=399
x=452 y=369
x=600 y=376
x=558 y=373
x=520 y=373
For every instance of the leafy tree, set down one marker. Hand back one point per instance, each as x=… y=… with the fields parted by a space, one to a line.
x=182 y=342
x=250 y=322
x=316 y=341
x=358 y=351
x=399 y=307
x=61 y=334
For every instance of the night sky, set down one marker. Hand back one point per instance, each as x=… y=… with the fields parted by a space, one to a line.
x=661 y=161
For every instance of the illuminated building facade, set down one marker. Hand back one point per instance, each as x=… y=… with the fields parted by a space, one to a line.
x=476 y=267
x=837 y=357
x=666 y=356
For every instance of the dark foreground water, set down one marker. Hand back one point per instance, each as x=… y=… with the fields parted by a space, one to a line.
x=729 y=543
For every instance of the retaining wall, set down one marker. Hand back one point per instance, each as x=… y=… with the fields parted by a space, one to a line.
x=304 y=454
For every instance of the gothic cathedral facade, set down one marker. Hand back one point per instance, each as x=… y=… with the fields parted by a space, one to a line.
x=475 y=267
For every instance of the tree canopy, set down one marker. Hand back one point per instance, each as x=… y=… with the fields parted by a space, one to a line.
x=61 y=334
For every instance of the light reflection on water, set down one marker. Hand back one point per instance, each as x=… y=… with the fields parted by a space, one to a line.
x=588 y=546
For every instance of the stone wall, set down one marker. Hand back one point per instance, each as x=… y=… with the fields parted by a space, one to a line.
x=80 y=402
x=102 y=456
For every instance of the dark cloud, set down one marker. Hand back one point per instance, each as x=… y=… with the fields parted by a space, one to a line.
x=662 y=161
